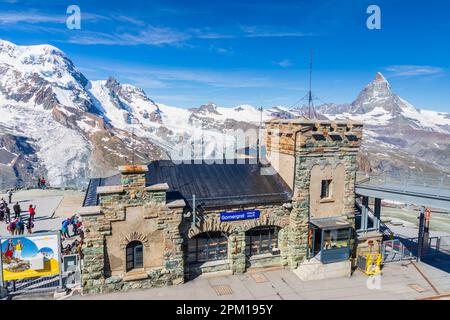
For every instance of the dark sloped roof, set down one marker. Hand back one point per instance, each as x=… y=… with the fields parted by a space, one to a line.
x=91 y=197
x=214 y=185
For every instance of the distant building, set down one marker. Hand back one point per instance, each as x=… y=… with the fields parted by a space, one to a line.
x=140 y=230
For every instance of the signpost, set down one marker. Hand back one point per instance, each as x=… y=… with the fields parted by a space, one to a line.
x=239 y=215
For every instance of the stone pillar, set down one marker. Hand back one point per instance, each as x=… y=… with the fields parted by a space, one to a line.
x=377 y=212
x=350 y=179
x=92 y=273
x=283 y=236
x=236 y=251
x=299 y=217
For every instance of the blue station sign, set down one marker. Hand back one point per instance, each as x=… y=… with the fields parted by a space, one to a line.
x=239 y=215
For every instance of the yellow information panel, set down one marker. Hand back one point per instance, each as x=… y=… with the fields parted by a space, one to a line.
x=373 y=263
x=30 y=256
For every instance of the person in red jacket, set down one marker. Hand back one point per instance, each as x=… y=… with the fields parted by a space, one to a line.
x=32 y=211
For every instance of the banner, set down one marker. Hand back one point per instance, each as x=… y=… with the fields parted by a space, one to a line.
x=30 y=256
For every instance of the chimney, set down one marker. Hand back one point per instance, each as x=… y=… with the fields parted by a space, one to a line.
x=133 y=176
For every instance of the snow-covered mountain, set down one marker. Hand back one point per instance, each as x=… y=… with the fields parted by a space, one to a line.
x=46 y=104
x=398 y=137
x=57 y=123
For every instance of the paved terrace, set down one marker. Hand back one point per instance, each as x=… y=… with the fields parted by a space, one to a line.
x=399 y=281
x=52 y=206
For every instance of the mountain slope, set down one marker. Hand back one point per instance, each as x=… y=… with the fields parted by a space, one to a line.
x=399 y=138
x=43 y=98
x=57 y=123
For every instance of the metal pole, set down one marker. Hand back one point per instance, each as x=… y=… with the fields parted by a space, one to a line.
x=194 y=218
x=59 y=260
x=2 y=283
x=421 y=230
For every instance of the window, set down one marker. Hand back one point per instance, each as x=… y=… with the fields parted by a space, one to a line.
x=261 y=240
x=208 y=246
x=135 y=256
x=326 y=189
x=336 y=239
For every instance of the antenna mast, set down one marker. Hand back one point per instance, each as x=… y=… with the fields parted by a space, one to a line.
x=310 y=96
x=133 y=147
x=258 y=141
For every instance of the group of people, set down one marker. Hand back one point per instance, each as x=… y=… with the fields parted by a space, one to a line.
x=16 y=225
x=42 y=183
x=76 y=224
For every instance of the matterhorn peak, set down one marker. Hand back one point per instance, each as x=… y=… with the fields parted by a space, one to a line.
x=380 y=78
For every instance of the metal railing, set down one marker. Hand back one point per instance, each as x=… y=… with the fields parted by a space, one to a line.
x=410 y=179
x=407 y=248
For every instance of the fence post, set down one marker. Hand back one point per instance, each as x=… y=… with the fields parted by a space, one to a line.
x=59 y=262
x=2 y=282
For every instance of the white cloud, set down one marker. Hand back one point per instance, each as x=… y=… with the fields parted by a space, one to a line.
x=34 y=17
x=284 y=63
x=270 y=32
x=156 y=77
x=414 y=70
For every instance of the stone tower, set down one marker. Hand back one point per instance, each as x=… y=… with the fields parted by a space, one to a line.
x=317 y=159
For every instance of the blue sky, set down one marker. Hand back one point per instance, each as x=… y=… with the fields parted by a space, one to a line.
x=186 y=53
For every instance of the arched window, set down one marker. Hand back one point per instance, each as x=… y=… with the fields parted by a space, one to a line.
x=208 y=246
x=135 y=256
x=261 y=240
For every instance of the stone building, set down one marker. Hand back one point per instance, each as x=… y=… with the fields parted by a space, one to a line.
x=165 y=223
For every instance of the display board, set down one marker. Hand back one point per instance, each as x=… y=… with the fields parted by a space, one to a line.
x=30 y=256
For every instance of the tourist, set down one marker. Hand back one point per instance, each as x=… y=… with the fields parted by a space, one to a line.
x=65 y=228
x=3 y=206
x=7 y=215
x=12 y=227
x=76 y=224
x=18 y=250
x=30 y=226
x=17 y=210
x=10 y=194
x=43 y=184
x=39 y=183
x=32 y=211
x=20 y=227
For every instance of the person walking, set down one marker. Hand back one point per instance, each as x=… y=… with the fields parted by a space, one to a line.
x=30 y=226
x=3 y=206
x=32 y=211
x=39 y=183
x=10 y=194
x=17 y=210
x=7 y=215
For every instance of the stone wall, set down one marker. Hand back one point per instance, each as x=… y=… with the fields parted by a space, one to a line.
x=327 y=144
x=158 y=219
x=238 y=262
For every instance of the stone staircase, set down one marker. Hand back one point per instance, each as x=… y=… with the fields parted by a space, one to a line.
x=313 y=269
